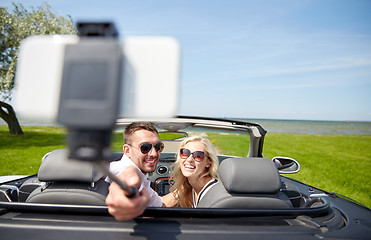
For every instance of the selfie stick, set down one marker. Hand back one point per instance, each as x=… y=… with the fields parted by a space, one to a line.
x=130 y=191
x=89 y=97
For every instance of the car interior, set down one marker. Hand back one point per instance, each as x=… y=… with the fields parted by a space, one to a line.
x=245 y=183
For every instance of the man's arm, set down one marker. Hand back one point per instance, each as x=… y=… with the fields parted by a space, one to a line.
x=119 y=205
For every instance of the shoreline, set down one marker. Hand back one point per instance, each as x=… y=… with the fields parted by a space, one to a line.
x=278 y=126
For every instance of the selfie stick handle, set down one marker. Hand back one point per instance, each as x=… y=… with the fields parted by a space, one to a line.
x=130 y=191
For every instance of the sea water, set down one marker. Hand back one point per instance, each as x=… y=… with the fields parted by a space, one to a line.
x=288 y=126
x=313 y=127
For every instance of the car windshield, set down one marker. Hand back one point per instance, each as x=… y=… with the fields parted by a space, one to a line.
x=231 y=143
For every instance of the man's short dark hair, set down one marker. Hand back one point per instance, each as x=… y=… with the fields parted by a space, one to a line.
x=136 y=126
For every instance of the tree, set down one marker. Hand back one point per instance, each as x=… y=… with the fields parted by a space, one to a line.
x=16 y=25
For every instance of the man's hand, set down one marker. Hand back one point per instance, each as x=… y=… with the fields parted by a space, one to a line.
x=119 y=205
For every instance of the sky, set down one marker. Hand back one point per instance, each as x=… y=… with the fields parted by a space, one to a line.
x=267 y=59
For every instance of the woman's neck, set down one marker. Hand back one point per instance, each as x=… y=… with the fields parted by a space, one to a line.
x=197 y=184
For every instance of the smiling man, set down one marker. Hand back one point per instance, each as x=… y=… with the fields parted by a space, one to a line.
x=142 y=149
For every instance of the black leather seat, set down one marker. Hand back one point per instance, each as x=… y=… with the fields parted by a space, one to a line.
x=247 y=183
x=69 y=181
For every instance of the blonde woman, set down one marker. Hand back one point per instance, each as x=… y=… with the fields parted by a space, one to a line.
x=194 y=173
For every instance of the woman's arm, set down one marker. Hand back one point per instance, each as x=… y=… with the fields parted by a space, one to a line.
x=169 y=200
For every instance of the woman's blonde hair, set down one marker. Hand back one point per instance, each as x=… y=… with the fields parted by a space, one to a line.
x=180 y=187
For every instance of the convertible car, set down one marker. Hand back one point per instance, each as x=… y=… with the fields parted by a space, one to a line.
x=252 y=200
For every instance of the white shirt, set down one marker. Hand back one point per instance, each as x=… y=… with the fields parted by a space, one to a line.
x=117 y=167
x=204 y=190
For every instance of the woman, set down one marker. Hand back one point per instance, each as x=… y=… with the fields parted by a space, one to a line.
x=195 y=171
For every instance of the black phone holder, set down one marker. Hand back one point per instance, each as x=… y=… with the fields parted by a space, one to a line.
x=89 y=97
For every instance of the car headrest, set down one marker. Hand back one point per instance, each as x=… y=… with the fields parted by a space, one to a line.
x=249 y=175
x=56 y=166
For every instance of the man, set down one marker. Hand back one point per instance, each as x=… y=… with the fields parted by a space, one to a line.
x=142 y=151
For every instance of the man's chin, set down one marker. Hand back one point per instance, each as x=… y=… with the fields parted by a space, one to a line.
x=150 y=168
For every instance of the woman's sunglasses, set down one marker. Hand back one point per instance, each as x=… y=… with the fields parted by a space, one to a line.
x=146 y=147
x=197 y=155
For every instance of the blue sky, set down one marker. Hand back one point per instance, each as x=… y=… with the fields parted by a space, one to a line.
x=287 y=59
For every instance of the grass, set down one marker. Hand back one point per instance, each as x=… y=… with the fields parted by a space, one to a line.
x=21 y=155
x=335 y=163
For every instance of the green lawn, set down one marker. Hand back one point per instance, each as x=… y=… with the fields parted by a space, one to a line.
x=335 y=163
x=22 y=154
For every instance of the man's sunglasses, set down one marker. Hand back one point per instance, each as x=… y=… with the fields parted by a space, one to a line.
x=197 y=155
x=146 y=147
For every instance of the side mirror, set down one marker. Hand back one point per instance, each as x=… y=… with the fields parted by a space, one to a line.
x=286 y=165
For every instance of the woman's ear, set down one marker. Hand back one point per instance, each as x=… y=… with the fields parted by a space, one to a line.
x=208 y=164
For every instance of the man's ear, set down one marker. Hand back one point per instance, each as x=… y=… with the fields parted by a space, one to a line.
x=126 y=149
